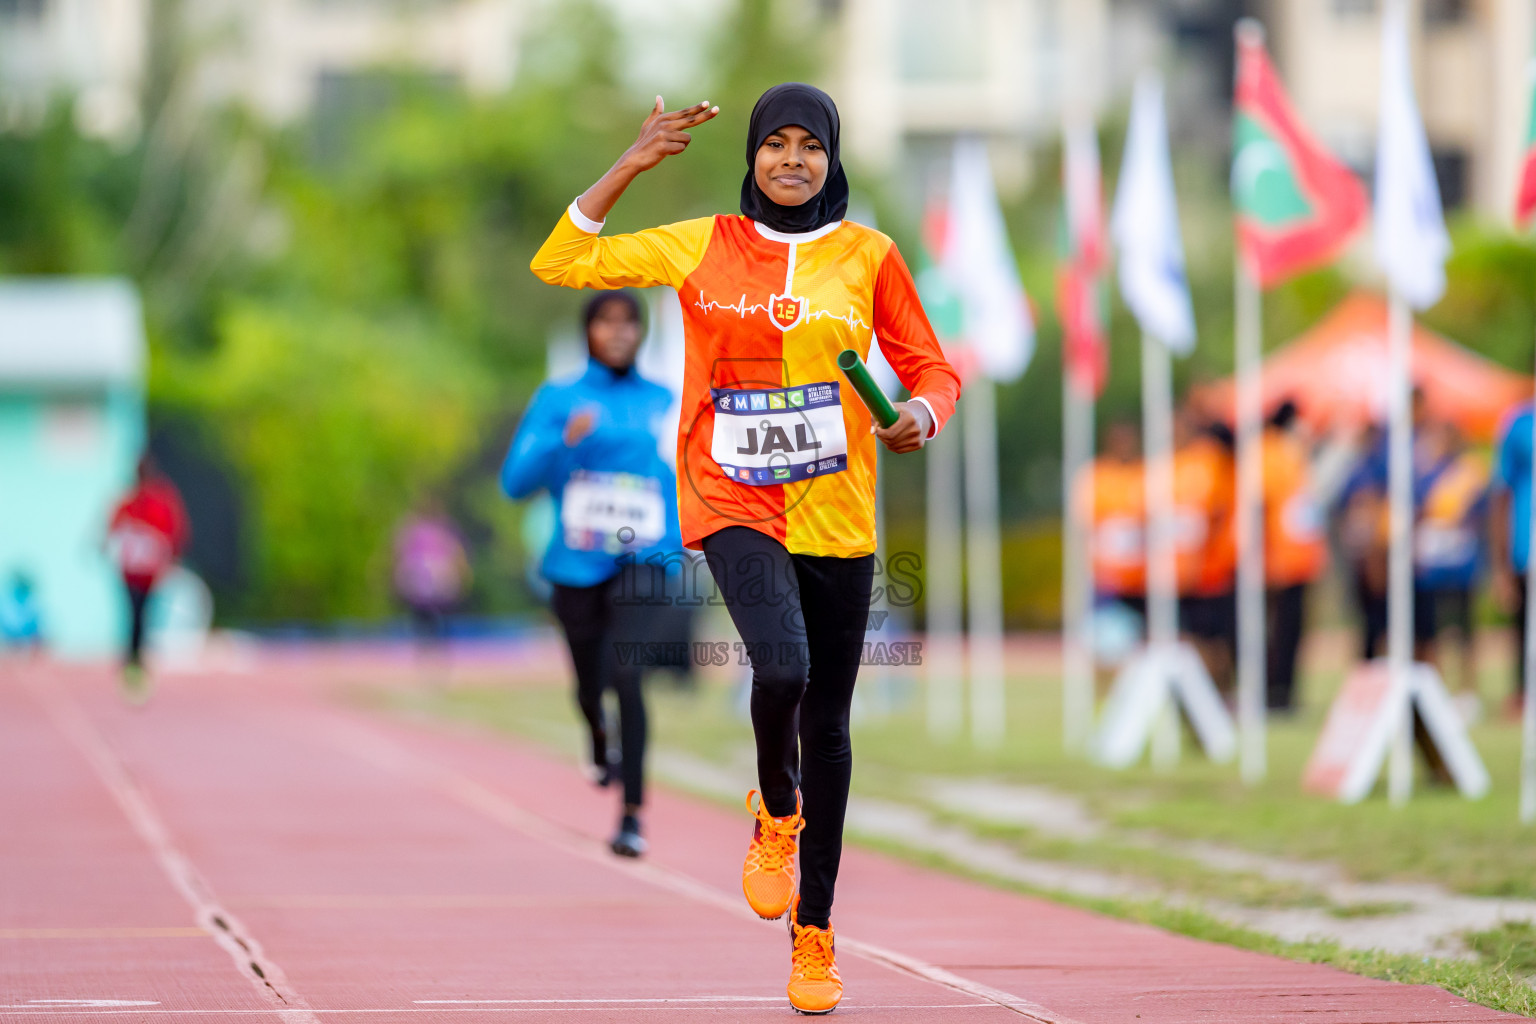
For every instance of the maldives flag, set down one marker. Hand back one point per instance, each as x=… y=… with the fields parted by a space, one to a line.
x=1296 y=204
x=1525 y=202
x=1079 y=280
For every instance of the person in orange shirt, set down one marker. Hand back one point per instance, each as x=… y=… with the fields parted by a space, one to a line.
x=776 y=459
x=1117 y=519
x=1112 y=494
x=1205 y=547
x=1295 y=549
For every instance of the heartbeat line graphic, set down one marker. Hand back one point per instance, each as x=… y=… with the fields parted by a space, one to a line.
x=847 y=318
x=740 y=305
x=741 y=308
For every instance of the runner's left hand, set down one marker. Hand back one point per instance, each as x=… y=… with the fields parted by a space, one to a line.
x=911 y=428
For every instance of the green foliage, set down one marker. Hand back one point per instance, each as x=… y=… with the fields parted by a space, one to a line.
x=339 y=421
x=1490 y=299
x=1510 y=947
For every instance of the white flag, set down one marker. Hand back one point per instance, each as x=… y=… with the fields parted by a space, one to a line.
x=1411 y=243
x=980 y=268
x=1145 y=226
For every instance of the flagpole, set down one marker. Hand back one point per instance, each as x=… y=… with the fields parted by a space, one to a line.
x=1162 y=571
x=1528 y=717
x=984 y=583
x=1076 y=564
x=945 y=668
x=1400 y=564
x=1250 y=527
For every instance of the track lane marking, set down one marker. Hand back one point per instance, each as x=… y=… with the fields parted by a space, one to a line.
x=104 y=933
x=777 y=1009
x=212 y=917
x=368 y=744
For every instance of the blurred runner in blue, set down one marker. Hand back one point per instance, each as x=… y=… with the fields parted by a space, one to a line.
x=20 y=618
x=1451 y=504
x=593 y=443
x=1510 y=532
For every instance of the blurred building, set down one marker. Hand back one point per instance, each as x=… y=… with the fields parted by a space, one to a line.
x=279 y=57
x=1471 y=59
x=71 y=431
x=915 y=73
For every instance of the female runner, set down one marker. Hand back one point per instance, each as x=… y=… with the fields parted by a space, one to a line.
x=591 y=442
x=776 y=459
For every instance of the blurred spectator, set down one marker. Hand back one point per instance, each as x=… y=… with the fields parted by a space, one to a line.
x=1205 y=546
x=20 y=617
x=1295 y=550
x=1510 y=533
x=1361 y=513
x=1117 y=519
x=1365 y=523
x=432 y=572
x=1119 y=513
x=1451 y=503
x=148 y=532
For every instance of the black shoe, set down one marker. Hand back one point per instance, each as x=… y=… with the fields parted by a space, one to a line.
x=603 y=775
x=628 y=842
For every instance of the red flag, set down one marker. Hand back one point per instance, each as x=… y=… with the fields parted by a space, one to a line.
x=1297 y=205
x=1525 y=201
x=1079 y=280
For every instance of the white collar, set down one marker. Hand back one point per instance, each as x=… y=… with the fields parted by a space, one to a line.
x=796 y=236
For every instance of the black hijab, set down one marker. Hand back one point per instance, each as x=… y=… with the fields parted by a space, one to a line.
x=813 y=110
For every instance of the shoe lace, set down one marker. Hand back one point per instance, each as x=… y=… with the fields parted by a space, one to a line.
x=812 y=956
x=776 y=839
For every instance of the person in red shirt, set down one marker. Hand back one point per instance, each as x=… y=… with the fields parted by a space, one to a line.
x=148 y=532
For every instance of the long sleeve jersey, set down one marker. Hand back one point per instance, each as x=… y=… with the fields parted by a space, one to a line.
x=771 y=435
x=615 y=498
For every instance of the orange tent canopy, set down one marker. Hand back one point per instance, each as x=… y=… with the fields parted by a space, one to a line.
x=1336 y=373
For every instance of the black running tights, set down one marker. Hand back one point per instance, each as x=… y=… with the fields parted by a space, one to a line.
x=802 y=619
x=604 y=625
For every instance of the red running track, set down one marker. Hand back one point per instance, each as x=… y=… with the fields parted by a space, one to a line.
x=245 y=851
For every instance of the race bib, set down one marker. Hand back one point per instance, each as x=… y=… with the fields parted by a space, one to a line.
x=1440 y=544
x=779 y=435
x=612 y=512
x=1118 y=539
x=1301 y=518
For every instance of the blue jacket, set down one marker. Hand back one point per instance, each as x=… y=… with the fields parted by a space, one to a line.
x=1514 y=470
x=614 y=496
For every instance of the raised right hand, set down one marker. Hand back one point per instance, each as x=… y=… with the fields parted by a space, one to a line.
x=578 y=427
x=662 y=134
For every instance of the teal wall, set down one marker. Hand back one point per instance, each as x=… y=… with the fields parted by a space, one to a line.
x=65 y=459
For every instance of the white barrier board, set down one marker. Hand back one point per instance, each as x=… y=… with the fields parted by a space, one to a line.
x=1143 y=687
x=1357 y=736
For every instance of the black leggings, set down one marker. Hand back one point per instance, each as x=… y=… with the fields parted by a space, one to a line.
x=1287 y=623
x=138 y=603
x=604 y=626
x=802 y=618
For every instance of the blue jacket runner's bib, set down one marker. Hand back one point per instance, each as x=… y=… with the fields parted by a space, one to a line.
x=615 y=497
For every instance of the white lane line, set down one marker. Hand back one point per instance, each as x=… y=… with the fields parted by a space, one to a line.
x=34 y=1004
x=384 y=752
x=778 y=1008
x=210 y=915
x=607 y=1002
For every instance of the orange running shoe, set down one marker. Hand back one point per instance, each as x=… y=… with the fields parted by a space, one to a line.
x=768 y=874
x=814 y=985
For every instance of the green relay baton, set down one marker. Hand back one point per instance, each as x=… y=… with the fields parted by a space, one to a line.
x=873 y=398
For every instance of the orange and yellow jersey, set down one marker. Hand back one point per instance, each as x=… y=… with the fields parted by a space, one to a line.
x=765 y=315
x=1295 y=549
x=1205 y=540
x=1118 y=521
